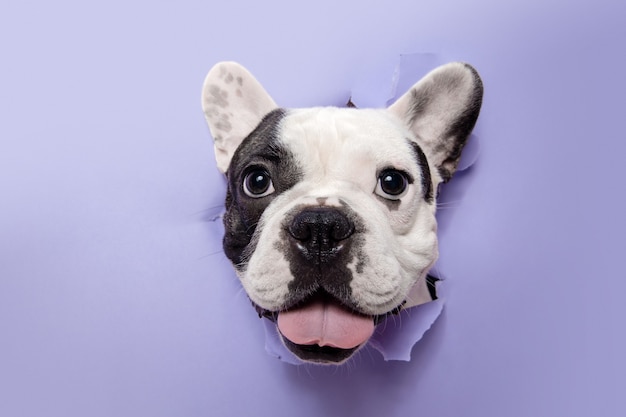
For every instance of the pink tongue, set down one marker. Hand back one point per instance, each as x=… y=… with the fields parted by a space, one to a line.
x=325 y=324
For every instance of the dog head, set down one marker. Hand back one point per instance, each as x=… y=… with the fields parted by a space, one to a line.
x=330 y=212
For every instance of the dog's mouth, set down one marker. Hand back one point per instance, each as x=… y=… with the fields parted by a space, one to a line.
x=323 y=330
x=319 y=354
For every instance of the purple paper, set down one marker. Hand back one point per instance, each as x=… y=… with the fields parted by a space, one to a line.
x=116 y=298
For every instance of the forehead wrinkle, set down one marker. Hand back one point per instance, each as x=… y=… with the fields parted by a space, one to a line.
x=314 y=137
x=343 y=143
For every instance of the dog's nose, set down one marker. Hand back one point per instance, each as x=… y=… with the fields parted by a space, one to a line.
x=320 y=231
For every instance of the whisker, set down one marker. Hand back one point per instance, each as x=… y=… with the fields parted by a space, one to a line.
x=214 y=212
x=210 y=254
x=447 y=203
x=241 y=292
x=443 y=206
x=384 y=324
x=209 y=208
x=369 y=349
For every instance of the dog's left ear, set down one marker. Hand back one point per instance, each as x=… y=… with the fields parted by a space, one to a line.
x=441 y=110
x=234 y=103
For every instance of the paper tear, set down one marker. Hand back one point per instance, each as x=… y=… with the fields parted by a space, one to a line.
x=213 y=214
x=274 y=346
x=470 y=153
x=214 y=218
x=410 y=69
x=394 y=338
x=372 y=91
x=397 y=335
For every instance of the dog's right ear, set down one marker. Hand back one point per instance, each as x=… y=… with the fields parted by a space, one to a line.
x=441 y=110
x=234 y=103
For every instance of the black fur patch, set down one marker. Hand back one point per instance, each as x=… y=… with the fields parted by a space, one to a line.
x=260 y=149
x=327 y=272
x=422 y=162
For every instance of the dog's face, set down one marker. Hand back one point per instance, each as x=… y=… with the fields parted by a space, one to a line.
x=330 y=212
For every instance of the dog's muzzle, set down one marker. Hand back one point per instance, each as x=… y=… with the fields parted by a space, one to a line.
x=321 y=323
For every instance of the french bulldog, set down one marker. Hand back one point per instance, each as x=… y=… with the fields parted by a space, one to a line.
x=330 y=212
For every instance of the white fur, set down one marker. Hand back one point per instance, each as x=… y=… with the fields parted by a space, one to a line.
x=341 y=151
x=233 y=102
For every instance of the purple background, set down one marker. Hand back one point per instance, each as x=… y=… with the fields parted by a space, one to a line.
x=115 y=299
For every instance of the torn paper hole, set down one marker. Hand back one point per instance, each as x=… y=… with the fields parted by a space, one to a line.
x=394 y=338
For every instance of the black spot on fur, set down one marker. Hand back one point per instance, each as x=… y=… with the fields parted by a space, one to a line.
x=260 y=149
x=217 y=96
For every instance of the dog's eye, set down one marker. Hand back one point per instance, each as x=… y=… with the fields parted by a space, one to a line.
x=392 y=184
x=257 y=184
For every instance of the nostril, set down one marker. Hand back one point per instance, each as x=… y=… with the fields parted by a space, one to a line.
x=321 y=225
x=342 y=228
x=300 y=229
